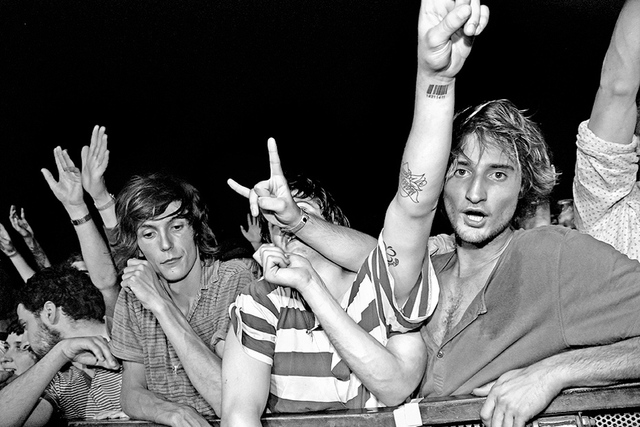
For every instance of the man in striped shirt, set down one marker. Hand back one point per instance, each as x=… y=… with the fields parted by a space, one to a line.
x=76 y=376
x=313 y=335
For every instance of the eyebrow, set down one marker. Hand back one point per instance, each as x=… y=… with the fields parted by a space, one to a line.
x=466 y=162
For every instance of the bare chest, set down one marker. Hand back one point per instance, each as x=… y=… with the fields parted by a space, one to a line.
x=456 y=294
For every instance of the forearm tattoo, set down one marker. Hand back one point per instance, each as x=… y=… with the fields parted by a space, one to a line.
x=437 y=91
x=38 y=254
x=411 y=185
x=392 y=260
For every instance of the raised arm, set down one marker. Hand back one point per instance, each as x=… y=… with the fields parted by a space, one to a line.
x=95 y=159
x=21 y=225
x=95 y=253
x=606 y=158
x=614 y=113
x=445 y=36
x=18 y=261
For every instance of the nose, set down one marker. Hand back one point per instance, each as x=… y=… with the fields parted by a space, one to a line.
x=476 y=192
x=166 y=242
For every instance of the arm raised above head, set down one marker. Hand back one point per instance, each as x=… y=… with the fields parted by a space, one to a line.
x=614 y=113
x=445 y=36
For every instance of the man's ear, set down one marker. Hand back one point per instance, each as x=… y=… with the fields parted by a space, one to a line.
x=50 y=313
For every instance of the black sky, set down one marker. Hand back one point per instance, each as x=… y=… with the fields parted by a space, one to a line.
x=197 y=87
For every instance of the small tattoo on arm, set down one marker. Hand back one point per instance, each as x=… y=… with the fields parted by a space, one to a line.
x=437 y=91
x=411 y=185
x=391 y=257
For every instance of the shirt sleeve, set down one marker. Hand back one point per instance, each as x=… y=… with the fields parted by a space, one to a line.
x=126 y=334
x=232 y=283
x=422 y=298
x=598 y=292
x=254 y=317
x=605 y=174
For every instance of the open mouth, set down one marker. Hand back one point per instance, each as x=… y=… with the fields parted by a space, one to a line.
x=473 y=216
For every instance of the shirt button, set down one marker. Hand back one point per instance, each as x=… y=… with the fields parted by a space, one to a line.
x=440 y=354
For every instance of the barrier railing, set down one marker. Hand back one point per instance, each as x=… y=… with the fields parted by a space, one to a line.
x=614 y=406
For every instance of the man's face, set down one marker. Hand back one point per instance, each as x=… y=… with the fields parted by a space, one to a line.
x=481 y=192
x=18 y=357
x=168 y=243
x=40 y=336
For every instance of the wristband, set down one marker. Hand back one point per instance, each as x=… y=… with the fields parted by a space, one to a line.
x=82 y=220
x=303 y=221
x=111 y=202
x=12 y=254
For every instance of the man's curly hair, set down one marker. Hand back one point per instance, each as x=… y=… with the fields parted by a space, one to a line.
x=66 y=287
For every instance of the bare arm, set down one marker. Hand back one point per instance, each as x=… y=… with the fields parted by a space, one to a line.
x=20 y=401
x=18 y=261
x=95 y=252
x=21 y=225
x=519 y=395
x=245 y=386
x=140 y=403
x=95 y=159
x=614 y=113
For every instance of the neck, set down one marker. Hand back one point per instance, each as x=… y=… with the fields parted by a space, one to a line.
x=472 y=258
x=84 y=328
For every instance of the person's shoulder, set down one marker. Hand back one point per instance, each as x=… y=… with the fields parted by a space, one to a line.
x=238 y=265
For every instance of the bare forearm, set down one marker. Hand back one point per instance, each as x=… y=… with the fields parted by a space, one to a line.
x=21 y=265
x=20 y=397
x=387 y=376
x=342 y=245
x=200 y=363
x=38 y=253
x=596 y=366
x=141 y=404
x=97 y=257
x=614 y=112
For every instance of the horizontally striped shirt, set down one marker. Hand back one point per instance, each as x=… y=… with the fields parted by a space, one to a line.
x=75 y=395
x=138 y=337
x=275 y=326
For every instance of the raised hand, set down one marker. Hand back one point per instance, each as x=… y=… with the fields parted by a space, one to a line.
x=95 y=159
x=445 y=34
x=68 y=188
x=272 y=197
x=252 y=232
x=19 y=222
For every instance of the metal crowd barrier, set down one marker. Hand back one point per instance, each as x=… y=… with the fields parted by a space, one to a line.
x=616 y=406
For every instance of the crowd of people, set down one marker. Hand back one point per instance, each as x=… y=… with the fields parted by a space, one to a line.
x=154 y=319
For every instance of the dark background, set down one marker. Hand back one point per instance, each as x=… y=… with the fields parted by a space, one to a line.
x=197 y=87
